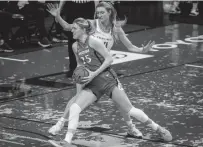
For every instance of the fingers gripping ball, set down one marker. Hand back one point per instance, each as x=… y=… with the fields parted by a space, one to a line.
x=79 y=73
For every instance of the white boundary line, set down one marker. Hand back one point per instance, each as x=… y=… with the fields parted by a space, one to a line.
x=13 y=59
x=193 y=65
x=11 y=142
x=24 y=137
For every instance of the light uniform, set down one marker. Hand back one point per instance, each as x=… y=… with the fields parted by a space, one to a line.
x=106 y=38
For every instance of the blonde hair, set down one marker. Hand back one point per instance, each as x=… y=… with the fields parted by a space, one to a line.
x=114 y=20
x=84 y=24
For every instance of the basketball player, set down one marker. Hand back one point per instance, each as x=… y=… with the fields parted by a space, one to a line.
x=72 y=10
x=107 y=37
x=101 y=80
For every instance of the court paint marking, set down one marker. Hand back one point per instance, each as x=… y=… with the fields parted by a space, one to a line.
x=121 y=57
x=13 y=142
x=24 y=137
x=171 y=45
x=191 y=65
x=13 y=59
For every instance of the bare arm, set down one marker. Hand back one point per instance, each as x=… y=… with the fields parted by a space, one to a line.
x=79 y=87
x=122 y=37
x=74 y=47
x=98 y=46
x=54 y=10
x=66 y=26
x=127 y=43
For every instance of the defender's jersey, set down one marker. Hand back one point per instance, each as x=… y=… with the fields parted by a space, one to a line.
x=89 y=57
x=106 y=38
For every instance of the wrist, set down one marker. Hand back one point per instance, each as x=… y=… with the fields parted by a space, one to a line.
x=56 y=19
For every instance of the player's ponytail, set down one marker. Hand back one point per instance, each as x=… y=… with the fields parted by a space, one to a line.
x=85 y=24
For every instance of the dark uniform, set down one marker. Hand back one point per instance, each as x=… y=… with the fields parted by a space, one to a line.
x=75 y=9
x=106 y=81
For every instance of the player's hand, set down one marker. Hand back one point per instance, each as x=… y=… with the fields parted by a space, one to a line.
x=53 y=9
x=147 y=47
x=86 y=80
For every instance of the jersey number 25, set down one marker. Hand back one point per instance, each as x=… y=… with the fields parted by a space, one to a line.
x=86 y=59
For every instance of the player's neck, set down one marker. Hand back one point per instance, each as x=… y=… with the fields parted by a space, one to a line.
x=83 y=39
x=106 y=25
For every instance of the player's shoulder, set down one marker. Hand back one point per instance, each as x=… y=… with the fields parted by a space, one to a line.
x=74 y=46
x=94 y=40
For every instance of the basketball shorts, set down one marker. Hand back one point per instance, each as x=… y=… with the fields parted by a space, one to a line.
x=104 y=83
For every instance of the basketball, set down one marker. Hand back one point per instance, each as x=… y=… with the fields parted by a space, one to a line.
x=79 y=73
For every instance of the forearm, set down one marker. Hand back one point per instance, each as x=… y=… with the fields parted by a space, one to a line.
x=127 y=43
x=136 y=49
x=107 y=62
x=66 y=26
x=122 y=37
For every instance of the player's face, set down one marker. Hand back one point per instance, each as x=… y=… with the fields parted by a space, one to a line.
x=102 y=14
x=77 y=31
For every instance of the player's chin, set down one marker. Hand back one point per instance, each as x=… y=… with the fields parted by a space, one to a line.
x=74 y=37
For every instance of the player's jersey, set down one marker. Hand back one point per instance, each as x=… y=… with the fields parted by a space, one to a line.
x=89 y=57
x=106 y=38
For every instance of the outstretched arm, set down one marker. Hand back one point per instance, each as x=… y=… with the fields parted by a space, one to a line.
x=66 y=26
x=55 y=11
x=128 y=44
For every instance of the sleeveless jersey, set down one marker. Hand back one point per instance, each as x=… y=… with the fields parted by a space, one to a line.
x=106 y=38
x=105 y=82
x=88 y=56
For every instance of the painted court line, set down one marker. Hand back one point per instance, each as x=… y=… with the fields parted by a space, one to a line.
x=121 y=57
x=13 y=59
x=24 y=137
x=193 y=65
x=13 y=142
